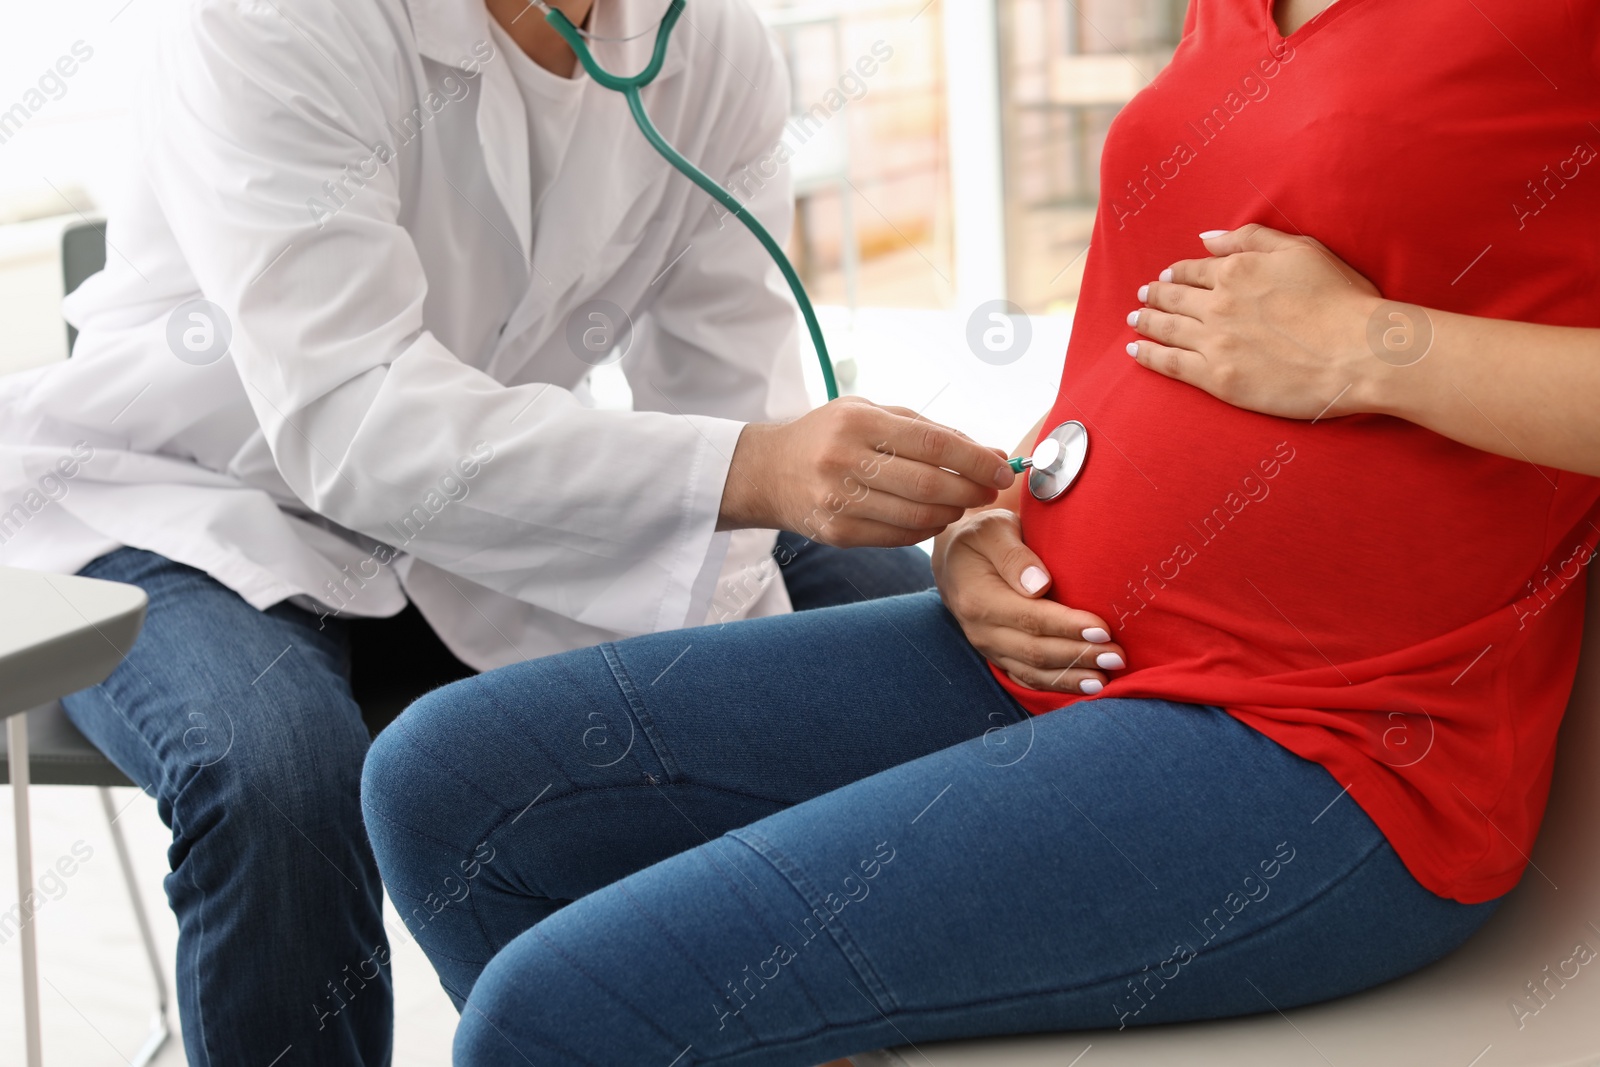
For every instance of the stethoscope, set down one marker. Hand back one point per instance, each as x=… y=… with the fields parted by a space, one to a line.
x=1056 y=460
x=629 y=87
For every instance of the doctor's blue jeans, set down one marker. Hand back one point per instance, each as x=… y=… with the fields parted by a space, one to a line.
x=244 y=727
x=782 y=841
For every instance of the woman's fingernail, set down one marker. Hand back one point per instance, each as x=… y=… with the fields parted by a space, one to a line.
x=1034 y=579
x=1133 y=349
x=1144 y=294
x=1096 y=636
x=1209 y=234
x=1109 y=661
x=1165 y=275
x=1133 y=318
x=1090 y=686
x=1004 y=476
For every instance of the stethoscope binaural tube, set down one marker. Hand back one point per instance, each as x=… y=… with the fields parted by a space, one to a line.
x=629 y=87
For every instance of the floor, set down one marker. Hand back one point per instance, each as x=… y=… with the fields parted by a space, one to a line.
x=96 y=994
x=97 y=997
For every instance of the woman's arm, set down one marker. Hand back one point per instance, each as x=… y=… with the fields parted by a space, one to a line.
x=1277 y=324
x=1517 y=389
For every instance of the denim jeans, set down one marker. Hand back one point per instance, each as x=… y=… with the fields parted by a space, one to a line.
x=242 y=724
x=781 y=841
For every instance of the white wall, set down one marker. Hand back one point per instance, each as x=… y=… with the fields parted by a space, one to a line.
x=64 y=151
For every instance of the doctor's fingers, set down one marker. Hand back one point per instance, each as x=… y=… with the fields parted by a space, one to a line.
x=924 y=483
x=853 y=531
x=1001 y=454
x=878 y=505
x=909 y=436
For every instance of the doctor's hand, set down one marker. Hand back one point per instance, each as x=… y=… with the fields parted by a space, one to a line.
x=994 y=585
x=1272 y=322
x=854 y=474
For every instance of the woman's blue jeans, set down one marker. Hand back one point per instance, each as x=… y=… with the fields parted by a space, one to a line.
x=787 y=840
x=244 y=727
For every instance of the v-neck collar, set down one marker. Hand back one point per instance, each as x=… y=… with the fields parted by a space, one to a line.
x=1268 y=9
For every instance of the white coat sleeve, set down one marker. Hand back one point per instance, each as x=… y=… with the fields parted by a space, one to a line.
x=603 y=517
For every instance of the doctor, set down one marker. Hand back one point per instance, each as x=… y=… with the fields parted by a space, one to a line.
x=336 y=364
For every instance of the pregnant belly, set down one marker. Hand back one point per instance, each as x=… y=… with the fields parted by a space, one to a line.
x=1244 y=544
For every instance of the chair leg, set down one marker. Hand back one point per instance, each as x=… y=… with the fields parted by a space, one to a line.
x=160 y=1031
x=17 y=737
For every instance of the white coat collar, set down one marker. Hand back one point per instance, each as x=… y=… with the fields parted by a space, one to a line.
x=447 y=30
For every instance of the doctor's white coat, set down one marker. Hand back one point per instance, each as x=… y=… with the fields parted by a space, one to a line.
x=401 y=409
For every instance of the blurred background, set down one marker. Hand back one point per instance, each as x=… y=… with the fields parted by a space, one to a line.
x=961 y=173
x=964 y=169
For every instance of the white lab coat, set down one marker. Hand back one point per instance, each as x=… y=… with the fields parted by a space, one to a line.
x=399 y=372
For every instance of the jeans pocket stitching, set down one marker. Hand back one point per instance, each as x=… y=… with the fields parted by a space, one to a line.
x=647 y=725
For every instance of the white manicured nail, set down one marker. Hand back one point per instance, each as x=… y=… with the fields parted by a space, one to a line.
x=1209 y=234
x=1144 y=294
x=1034 y=579
x=1109 y=661
x=1090 y=686
x=1133 y=349
x=1165 y=275
x=1133 y=318
x=1096 y=636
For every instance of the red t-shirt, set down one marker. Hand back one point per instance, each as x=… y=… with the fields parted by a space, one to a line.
x=1402 y=609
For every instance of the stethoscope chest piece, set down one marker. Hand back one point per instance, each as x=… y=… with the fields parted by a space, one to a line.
x=1057 y=460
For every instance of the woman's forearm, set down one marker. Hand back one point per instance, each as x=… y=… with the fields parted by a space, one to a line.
x=1276 y=323
x=1516 y=389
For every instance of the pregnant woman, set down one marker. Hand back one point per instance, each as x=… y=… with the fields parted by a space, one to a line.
x=1262 y=711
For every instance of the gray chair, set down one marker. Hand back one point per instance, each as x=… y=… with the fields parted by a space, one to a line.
x=59 y=755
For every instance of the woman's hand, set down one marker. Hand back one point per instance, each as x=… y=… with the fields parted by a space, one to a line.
x=1274 y=323
x=994 y=585
x=852 y=473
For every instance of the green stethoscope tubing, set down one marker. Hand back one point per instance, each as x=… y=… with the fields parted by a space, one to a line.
x=629 y=87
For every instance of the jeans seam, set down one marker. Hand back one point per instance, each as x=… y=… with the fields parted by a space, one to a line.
x=750 y=909
x=680 y=948
x=581 y=791
x=402 y=729
x=200 y=986
x=853 y=954
x=889 y=1016
x=425 y=753
x=1113 y=979
x=467 y=1003
x=110 y=698
x=612 y=993
x=491 y=693
x=405 y=735
x=630 y=693
x=1327 y=888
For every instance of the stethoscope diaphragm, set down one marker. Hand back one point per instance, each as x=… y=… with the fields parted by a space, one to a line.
x=1057 y=460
